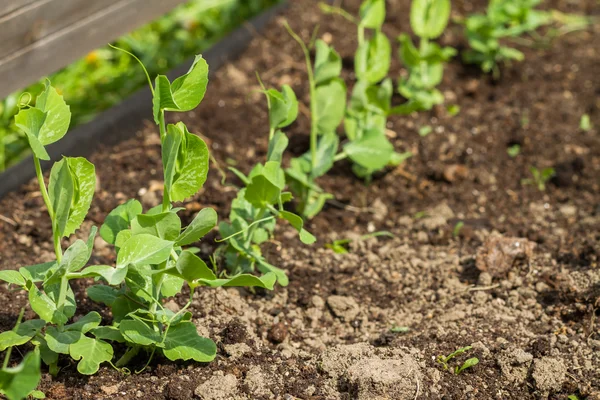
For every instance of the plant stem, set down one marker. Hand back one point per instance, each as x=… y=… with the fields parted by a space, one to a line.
x=166 y=204
x=40 y=178
x=62 y=296
x=340 y=156
x=252 y=228
x=313 y=103
x=46 y=197
x=9 y=350
x=126 y=358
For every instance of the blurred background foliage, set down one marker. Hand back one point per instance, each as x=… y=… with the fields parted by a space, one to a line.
x=105 y=76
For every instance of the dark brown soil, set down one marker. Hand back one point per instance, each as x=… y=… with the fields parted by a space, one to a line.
x=531 y=317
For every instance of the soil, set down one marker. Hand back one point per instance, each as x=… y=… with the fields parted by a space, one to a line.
x=519 y=282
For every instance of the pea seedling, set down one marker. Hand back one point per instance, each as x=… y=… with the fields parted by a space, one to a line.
x=428 y=19
x=371 y=102
x=20 y=381
x=327 y=106
x=503 y=19
x=539 y=177
x=67 y=198
x=151 y=262
x=258 y=205
x=471 y=362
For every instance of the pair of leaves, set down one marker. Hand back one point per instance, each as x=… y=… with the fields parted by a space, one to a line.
x=372 y=14
x=266 y=184
x=373 y=58
x=184 y=94
x=429 y=18
x=71 y=189
x=45 y=123
x=283 y=107
x=330 y=90
x=181 y=341
x=185 y=162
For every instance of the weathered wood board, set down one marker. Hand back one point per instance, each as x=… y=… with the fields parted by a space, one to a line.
x=38 y=37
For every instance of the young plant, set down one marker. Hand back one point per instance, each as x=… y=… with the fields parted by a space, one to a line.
x=471 y=362
x=539 y=177
x=425 y=64
x=67 y=198
x=327 y=106
x=504 y=19
x=19 y=382
x=152 y=263
x=371 y=102
x=259 y=204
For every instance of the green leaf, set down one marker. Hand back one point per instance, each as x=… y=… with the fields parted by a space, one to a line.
x=85 y=323
x=165 y=225
x=428 y=18
x=75 y=258
x=277 y=146
x=38 y=272
x=43 y=306
x=272 y=271
x=92 y=353
x=144 y=249
x=138 y=332
x=305 y=236
x=330 y=105
x=409 y=54
x=16 y=383
x=163 y=98
x=182 y=342
x=61 y=190
x=122 y=238
x=327 y=148
x=189 y=89
x=189 y=169
x=111 y=333
x=31 y=121
x=12 y=277
x=204 y=221
x=23 y=334
x=123 y=306
x=266 y=184
x=119 y=219
x=192 y=268
x=373 y=151
x=83 y=174
x=58 y=115
x=112 y=275
x=45 y=123
x=185 y=93
x=103 y=294
x=266 y=281
x=470 y=363
x=171 y=286
x=283 y=107
x=59 y=341
x=328 y=63
x=372 y=14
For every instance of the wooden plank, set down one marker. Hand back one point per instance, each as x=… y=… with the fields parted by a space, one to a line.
x=42 y=18
x=9 y=6
x=66 y=45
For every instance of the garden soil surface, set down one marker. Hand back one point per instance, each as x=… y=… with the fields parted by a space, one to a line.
x=518 y=280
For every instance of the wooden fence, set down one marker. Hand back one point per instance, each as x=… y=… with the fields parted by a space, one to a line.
x=38 y=37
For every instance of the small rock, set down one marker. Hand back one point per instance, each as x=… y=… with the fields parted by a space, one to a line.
x=549 y=374
x=343 y=307
x=472 y=86
x=110 y=390
x=568 y=210
x=422 y=237
x=278 y=333
x=455 y=172
x=498 y=255
x=218 y=387
x=318 y=301
x=485 y=279
x=172 y=306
